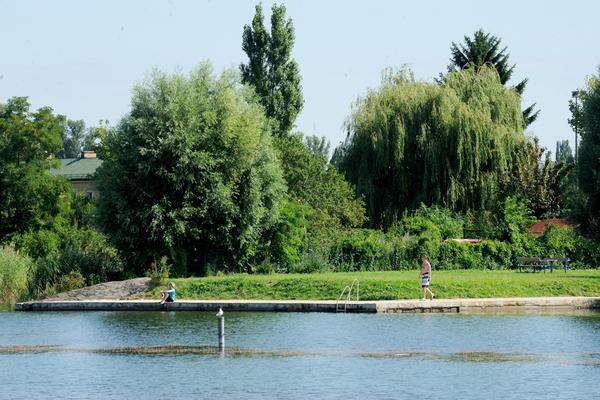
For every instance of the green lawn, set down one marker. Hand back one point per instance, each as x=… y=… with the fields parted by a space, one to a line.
x=389 y=285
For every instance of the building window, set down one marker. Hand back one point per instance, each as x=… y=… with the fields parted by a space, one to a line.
x=89 y=194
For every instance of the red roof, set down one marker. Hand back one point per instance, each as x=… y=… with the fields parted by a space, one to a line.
x=542 y=226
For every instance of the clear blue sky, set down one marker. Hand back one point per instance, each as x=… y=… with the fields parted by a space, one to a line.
x=82 y=57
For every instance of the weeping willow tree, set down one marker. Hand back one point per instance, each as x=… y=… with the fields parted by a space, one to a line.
x=413 y=142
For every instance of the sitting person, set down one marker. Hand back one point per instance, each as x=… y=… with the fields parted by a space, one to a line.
x=168 y=295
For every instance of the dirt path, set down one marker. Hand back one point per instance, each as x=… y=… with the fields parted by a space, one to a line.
x=117 y=290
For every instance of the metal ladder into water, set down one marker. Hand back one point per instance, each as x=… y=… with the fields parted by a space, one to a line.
x=342 y=302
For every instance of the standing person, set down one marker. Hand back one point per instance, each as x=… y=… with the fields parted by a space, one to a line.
x=169 y=294
x=425 y=277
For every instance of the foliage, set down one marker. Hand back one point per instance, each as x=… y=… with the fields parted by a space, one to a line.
x=15 y=272
x=484 y=224
x=30 y=198
x=290 y=233
x=414 y=142
x=587 y=253
x=564 y=152
x=559 y=242
x=516 y=218
x=89 y=252
x=315 y=183
x=318 y=147
x=429 y=230
x=270 y=70
x=435 y=218
x=546 y=185
x=73 y=136
x=159 y=272
x=190 y=174
x=586 y=120
x=361 y=249
x=81 y=252
x=70 y=281
x=83 y=210
x=485 y=49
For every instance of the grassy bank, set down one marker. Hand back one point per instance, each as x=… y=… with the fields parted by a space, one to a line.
x=389 y=285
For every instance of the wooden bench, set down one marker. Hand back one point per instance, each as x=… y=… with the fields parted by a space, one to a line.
x=542 y=264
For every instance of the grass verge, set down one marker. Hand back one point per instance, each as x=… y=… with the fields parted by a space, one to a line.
x=387 y=285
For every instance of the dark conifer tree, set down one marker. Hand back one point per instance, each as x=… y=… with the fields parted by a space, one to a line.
x=486 y=49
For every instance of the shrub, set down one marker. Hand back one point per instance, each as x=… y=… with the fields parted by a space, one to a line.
x=361 y=249
x=70 y=281
x=496 y=254
x=417 y=225
x=15 y=273
x=79 y=252
x=516 y=218
x=405 y=254
x=88 y=252
x=482 y=224
x=314 y=259
x=158 y=272
x=289 y=234
x=39 y=244
x=450 y=225
x=586 y=253
x=559 y=242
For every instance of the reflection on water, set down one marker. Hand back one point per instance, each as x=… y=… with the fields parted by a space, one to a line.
x=270 y=355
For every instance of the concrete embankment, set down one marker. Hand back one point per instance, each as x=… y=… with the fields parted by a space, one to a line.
x=491 y=305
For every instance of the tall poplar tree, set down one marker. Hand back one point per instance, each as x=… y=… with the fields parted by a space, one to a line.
x=271 y=70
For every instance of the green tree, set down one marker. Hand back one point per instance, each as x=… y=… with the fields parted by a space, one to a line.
x=30 y=198
x=546 y=185
x=275 y=77
x=564 y=152
x=271 y=70
x=314 y=182
x=414 y=142
x=516 y=218
x=72 y=139
x=318 y=146
x=75 y=137
x=586 y=120
x=485 y=49
x=190 y=174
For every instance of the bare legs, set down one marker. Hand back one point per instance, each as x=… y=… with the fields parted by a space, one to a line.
x=163 y=296
x=424 y=291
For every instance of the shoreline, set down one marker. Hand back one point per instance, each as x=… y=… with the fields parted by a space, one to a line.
x=466 y=305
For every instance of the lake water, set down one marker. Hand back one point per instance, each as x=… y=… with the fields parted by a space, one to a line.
x=299 y=356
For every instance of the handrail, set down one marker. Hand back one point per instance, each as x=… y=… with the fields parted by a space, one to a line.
x=348 y=289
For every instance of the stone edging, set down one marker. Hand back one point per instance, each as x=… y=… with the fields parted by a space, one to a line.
x=525 y=304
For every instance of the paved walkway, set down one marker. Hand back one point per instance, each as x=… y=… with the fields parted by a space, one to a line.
x=524 y=304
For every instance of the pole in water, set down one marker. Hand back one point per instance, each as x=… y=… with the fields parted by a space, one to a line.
x=221 y=318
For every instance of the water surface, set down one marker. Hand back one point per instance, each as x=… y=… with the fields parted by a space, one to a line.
x=99 y=355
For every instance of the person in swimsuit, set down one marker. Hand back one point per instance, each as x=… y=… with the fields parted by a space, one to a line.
x=168 y=295
x=425 y=276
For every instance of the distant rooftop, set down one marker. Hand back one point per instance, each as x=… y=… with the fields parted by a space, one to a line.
x=542 y=226
x=82 y=168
